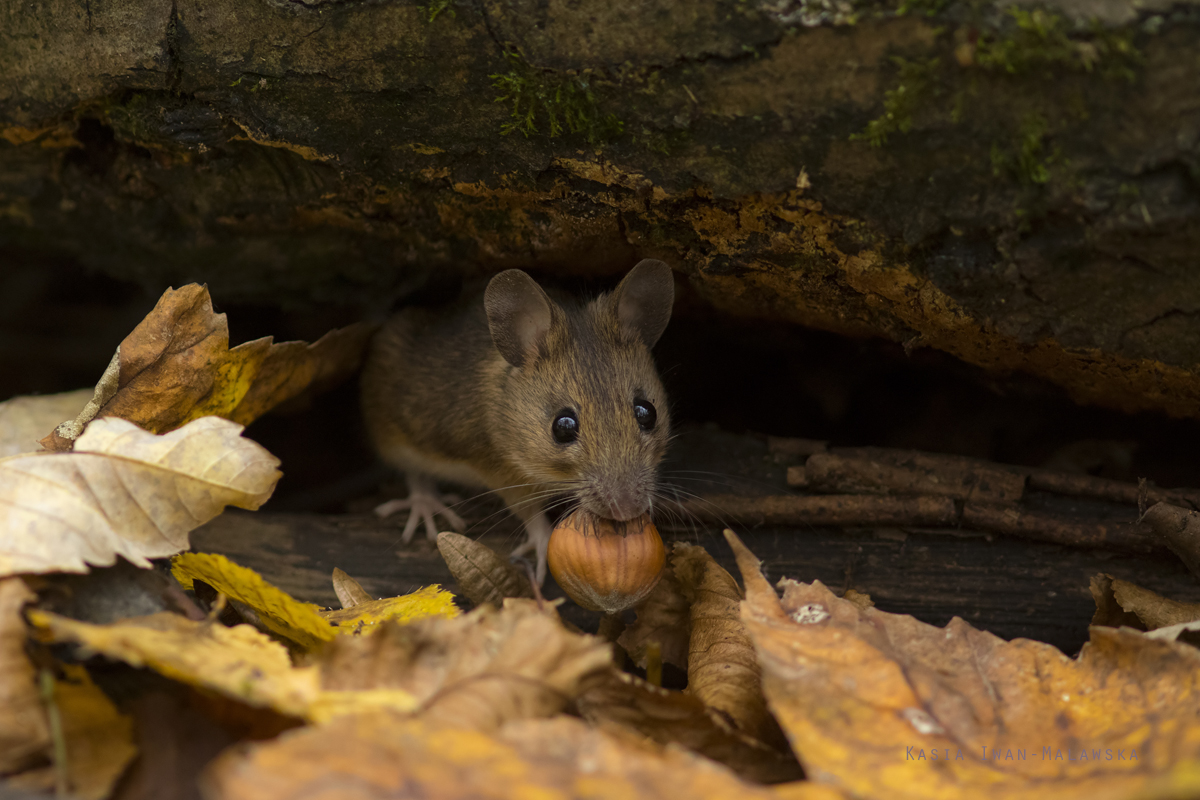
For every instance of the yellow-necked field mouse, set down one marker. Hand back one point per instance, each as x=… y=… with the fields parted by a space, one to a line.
x=527 y=395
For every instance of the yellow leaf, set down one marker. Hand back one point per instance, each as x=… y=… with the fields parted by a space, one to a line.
x=127 y=492
x=238 y=662
x=304 y=623
x=99 y=740
x=428 y=601
x=278 y=611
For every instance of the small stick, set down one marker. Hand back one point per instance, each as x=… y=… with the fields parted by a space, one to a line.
x=62 y=776
x=834 y=510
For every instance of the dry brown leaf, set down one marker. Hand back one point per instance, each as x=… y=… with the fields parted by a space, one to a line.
x=483 y=575
x=127 y=492
x=349 y=591
x=176 y=366
x=382 y=756
x=664 y=716
x=23 y=732
x=884 y=706
x=99 y=741
x=723 y=671
x=1151 y=610
x=24 y=420
x=664 y=617
x=478 y=670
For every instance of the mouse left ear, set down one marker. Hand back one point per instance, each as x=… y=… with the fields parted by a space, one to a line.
x=519 y=314
x=644 y=299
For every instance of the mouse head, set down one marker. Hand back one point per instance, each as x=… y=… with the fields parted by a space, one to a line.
x=583 y=406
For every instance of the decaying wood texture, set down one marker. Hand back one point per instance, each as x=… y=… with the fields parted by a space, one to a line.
x=985 y=179
x=1000 y=571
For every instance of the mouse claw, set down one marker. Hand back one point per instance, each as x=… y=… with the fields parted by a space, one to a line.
x=423 y=504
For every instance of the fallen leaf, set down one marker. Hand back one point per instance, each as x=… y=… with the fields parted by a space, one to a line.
x=23 y=732
x=884 y=706
x=297 y=621
x=1177 y=528
x=478 y=670
x=723 y=670
x=240 y=663
x=99 y=741
x=278 y=611
x=1150 y=609
x=482 y=574
x=428 y=601
x=176 y=366
x=664 y=618
x=127 y=492
x=349 y=591
x=23 y=420
x=379 y=756
x=667 y=717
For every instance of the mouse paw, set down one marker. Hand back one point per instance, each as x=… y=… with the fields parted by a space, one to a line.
x=537 y=532
x=423 y=504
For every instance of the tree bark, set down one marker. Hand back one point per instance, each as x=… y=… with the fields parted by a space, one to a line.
x=1014 y=186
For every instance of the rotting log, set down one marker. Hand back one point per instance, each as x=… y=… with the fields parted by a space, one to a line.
x=1014 y=185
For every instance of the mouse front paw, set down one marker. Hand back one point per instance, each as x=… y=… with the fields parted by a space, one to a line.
x=423 y=503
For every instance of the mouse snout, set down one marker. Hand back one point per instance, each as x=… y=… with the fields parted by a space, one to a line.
x=619 y=502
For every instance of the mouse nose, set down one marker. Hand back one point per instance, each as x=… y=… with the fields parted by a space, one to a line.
x=624 y=502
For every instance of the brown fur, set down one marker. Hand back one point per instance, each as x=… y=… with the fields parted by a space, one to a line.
x=439 y=398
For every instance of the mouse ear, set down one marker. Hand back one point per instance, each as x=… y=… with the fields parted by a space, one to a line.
x=519 y=315
x=643 y=300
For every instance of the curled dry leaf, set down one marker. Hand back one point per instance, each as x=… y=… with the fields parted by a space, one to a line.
x=1118 y=600
x=125 y=492
x=239 y=662
x=98 y=738
x=482 y=574
x=664 y=617
x=303 y=623
x=479 y=670
x=349 y=591
x=24 y=420
x=23 y=731
x=665 y=716
x=369 y=757
x=884 y=706
x=723 y=671
x=176 y=366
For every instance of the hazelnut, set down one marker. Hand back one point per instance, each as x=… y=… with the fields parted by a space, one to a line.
x=605 y=565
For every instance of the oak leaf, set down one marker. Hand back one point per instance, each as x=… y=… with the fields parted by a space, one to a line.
x=127 y=492
x=884 y=706
x=478 y=670
x=372 y=757
x=176 y=366
x=298 y=621
x=98 y=741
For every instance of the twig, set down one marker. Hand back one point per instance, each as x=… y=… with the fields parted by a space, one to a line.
x=1017 y=521
x=913 y=473
x=1179 y=529
x=836 y=510
x=62 y=775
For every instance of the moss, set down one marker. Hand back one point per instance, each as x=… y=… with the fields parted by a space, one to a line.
x=553 y=103
x=1041 y=42
x=1026 y=157
x=900 y=103
x=928 y=8
x=432 y=9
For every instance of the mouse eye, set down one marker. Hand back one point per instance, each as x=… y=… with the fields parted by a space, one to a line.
x=644 y=413
x=565 y=427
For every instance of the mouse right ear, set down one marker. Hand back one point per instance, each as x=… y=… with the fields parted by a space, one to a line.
x=519 y=315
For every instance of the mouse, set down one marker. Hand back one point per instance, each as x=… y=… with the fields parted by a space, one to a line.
x=545 y=399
